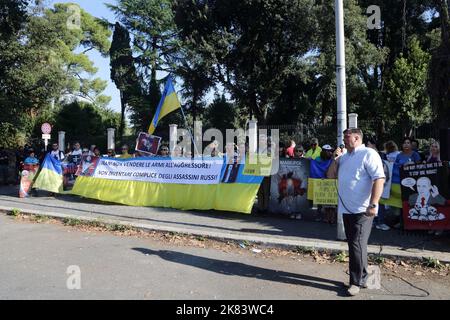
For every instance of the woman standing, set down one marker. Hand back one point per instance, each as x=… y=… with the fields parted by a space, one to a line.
x=407 y=156
x=435 y=153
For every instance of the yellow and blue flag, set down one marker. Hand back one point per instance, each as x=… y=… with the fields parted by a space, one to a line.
x=168 y=103
x=50 y=177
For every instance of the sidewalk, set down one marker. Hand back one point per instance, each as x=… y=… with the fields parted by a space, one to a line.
x=268 y=230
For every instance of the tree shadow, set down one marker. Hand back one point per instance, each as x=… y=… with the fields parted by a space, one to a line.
x=230 y=268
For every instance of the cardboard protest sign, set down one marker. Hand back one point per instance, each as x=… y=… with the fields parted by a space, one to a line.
x=425 y=196
x=289 y=186
x=147 y=144
x=26 y=179
x=325 y=192
x=88 y=165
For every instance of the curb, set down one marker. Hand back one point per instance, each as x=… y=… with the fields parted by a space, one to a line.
x=330 y=246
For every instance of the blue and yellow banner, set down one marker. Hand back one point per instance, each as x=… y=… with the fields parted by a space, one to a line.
x=50 y=177
x=187 y=184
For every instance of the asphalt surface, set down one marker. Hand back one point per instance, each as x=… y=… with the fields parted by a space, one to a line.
x=35 y=259
x=271 y=229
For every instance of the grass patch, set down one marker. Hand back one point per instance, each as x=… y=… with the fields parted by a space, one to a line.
x=40 y=218
x=14 y=212
x=95 y=224
x=341 y=257
x=377 y=259
x=432 y=263
x=305 y=250
x=72 y=222
x=118 y=227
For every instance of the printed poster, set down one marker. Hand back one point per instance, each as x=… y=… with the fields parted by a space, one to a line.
x=425 y=196
x=289 y=187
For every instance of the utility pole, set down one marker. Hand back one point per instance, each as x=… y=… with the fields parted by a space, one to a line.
x=340 y=73
x=341 y=91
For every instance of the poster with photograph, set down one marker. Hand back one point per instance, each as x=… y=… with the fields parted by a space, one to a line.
x=289 y=187
x=26 y=179
x=147 y=144
x=88 y=165
x=425 y=196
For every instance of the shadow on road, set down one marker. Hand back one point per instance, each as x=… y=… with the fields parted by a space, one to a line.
x=244 y=270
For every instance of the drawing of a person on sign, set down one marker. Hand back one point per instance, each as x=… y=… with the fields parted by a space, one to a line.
x=147 y=144
x=422 y=203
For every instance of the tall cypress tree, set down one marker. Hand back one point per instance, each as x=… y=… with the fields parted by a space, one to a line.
x=123 y=71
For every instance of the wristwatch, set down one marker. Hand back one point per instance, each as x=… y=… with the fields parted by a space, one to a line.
x=373 y=206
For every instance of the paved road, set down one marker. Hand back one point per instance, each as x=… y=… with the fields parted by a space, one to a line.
x=35 y=258
x=266 y=229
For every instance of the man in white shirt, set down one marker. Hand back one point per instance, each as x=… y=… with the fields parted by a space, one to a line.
x=76 y=153
x=360 y=185
x=56 y=153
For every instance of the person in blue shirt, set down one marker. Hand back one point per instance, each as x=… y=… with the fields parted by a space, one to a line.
x=407 y=156
x=31 y=159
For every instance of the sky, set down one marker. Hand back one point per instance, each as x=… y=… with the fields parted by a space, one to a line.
x=98 y=9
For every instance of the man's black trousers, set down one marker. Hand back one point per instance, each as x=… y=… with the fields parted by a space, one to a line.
x=357 y=230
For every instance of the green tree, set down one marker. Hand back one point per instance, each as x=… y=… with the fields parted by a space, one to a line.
x=12 y=17
x=40 y=64
x=408 y=101
x=85 y=122
x=220 y=114
x=123 y=71
x=153 y=35
x=55 y=32
x=439 y=76
x=252 y=46
x=362 y=58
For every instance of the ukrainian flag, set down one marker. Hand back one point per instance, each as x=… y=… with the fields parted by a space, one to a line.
x=168 y=103
x=50 y=177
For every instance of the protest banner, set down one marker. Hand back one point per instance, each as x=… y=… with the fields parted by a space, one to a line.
x=325 y=192
x=425 y=196
x=288 y=187
x=261 y=166
x=159 y=170
x=186 y=184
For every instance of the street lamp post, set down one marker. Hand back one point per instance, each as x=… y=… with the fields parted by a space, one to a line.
x=341 y=91
x=340 y=72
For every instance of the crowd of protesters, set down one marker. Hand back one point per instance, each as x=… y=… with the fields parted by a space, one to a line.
x=410 y=152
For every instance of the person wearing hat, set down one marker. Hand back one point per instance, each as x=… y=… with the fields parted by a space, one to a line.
x=314 y=151
x=31 y=159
